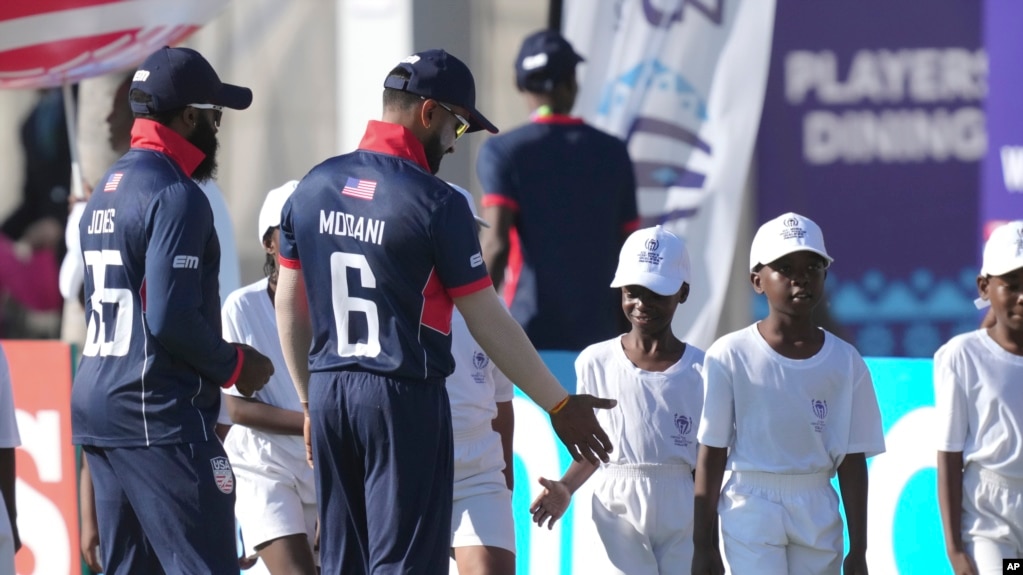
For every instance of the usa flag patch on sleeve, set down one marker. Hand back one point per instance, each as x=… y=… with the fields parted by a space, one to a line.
x=362 y=189
x=111 y=184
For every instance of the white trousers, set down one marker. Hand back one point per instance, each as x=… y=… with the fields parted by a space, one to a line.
x=644 y=516
x=776 y=524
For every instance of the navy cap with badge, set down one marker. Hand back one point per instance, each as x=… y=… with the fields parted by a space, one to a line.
x=545 y=58
x=437 y=75
x=177 y=77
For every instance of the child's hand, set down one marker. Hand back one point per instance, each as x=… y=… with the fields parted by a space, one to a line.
x=551 y=504
x=707 y=561
x=854 y=564
x=962 y=564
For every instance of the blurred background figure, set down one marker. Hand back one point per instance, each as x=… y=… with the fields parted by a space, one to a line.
x=30 y=244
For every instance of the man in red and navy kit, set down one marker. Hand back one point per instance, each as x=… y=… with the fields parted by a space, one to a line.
x=147 y=392
x=375 y=252
x=560 y=196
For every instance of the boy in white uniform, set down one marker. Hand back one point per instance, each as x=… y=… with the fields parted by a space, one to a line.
x=978 y=392
x=482 y=423
x=643 y=506
x=9 y=439
x=276 y=505
x=786 y=405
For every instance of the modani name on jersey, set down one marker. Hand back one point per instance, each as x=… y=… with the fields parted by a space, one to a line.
x=357 y=227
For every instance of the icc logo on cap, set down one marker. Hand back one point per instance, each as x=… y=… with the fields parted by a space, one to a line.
x=791 y=222
x=652 y=245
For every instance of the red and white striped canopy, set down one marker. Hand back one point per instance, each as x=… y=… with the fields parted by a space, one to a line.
x=45 y=43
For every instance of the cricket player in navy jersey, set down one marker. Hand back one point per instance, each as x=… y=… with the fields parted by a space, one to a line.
x=147 y=392
x=556 y=181
x=375 y=252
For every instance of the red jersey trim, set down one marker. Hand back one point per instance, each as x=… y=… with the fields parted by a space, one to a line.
x=499 y=200
x=471 y=288
x=151 y=135
x=437 y=305
x=513 y=270
x=237 y=369
x=630 y=226
x=557 y=119
x=289 y=263
x=395 y=140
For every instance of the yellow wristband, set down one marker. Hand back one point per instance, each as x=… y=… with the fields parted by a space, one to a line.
x=561 y=405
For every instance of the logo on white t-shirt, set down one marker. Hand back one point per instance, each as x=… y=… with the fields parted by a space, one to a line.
x=684 y=424
x=480 y=361
x=820 y=411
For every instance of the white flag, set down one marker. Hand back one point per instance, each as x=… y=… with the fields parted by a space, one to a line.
x=683 y=81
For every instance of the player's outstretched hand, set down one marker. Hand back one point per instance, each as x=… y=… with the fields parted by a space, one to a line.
x=707 y=561
x=256 y=370
x=576 y=425
x=551 y=504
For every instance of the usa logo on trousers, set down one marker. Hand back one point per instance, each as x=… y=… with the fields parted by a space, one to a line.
x=222 y=474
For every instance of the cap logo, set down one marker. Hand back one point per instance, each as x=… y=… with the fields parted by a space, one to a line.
x=535 y=61
x=794 y=230
x=140 y=76
x=1019 y=242
x=411 y=59
x=652 y=244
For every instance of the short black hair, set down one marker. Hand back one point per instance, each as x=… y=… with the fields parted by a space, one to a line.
x=400 y=99
x=544 y=82
x=165 y=117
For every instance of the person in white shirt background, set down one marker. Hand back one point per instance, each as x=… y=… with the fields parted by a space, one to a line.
x=482 y=423
x=276 y=496
x=979 y=406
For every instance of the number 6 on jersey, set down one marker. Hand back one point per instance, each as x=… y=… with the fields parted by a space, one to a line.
x=345 y=305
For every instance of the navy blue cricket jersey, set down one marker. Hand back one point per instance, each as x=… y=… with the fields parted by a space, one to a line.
x=573 y=192
x=154 y=359
x=383 y=246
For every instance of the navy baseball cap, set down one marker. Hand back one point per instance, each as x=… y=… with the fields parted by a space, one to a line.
x=545 y=58
x=437 y=75
x=177 y=77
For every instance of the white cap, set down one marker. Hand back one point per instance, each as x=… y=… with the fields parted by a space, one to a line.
x=1003 y=251
x=270 y=213
x=472 y=204
x=655 y=259
x=784 y=235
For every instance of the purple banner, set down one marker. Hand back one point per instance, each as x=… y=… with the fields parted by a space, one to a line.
x=1002 y=175
x=873 y=126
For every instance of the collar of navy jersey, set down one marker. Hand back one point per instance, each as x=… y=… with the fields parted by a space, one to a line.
x=151 y=135
x=544 y=115
x=395 y=140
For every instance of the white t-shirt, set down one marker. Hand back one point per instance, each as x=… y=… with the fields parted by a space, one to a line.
x=978 y=396
x=230 y=273
x=657 y=414
x=476 y=385
x=248 y=317
x=782 y=415
x=9 y=436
